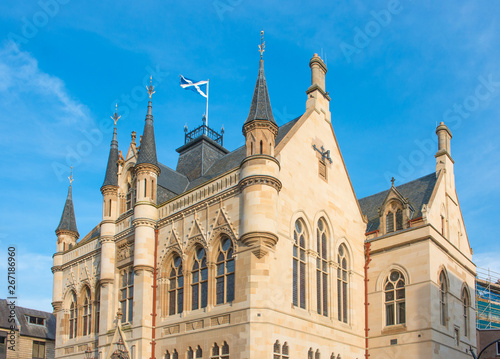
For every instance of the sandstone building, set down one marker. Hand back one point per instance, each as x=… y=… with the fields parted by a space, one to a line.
x=264 y=251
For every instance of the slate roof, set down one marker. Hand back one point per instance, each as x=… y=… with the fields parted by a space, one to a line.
x=418 y=193
x=46 y=331
x=68 y=221
x=147 y=151
x=111 y=177
x=260 y=108
x=173 y=183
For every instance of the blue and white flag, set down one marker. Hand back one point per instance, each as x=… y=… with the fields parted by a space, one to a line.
x=196 y=86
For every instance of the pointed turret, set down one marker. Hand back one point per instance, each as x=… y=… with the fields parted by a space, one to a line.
x=68 y=221
x=260 y=109
x=260 y=129
x=111 y=177
x=147 y=152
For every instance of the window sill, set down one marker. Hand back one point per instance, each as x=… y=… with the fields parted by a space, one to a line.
x=394 y=329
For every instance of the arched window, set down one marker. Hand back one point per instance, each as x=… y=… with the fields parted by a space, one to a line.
x=73 y=317
x=199 y=353
x=199 y=279
x=277 y=350
x=225 y=272
x=394 y=291
x=342 y=283
x=284 y=351
x=299 y=265
x=443 y=291
x=167 y=355
x=190 y=353
x=261 y=147
x=175 y=355
x=317 y=355
x=225 y=351
x=466 y=306
x=176 y=286
x=215 y=351
x=129 y=196
x=87 y=312
x=389 y=222
x=127 y=295
x=322 y=269
x=399 y=219
x=310 y=354
x=220 y=353
x=97 y=308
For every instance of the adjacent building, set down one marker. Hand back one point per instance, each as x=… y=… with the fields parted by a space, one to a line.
x=265 y=251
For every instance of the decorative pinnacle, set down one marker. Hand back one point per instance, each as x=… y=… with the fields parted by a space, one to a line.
x=262 y=45
x=71 y=176
x=115 y=117
x=150 y=88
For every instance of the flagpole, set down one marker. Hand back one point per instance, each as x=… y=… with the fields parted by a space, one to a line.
x=206 y=117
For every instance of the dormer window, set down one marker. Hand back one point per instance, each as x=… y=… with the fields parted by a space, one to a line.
x=394 y=220
x=35 y=320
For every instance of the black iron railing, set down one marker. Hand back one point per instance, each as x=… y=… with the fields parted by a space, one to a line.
x=203 y=130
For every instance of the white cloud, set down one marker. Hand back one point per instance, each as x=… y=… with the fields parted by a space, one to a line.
x=487 y=264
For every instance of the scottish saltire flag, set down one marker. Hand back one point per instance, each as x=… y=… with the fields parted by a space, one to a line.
x=196 y=86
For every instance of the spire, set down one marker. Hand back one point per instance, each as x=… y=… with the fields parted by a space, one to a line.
x=111 y=178
x=260 y=109
x=147 y=152
x=68 y=221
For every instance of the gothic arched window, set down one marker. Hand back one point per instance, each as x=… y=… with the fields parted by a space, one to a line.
x=73 y=317
x=322 y=269
x=199 y=279
x=342 y=283
x=199 y=353
x=466 y=306
x=87 y=312
x=176 y=286
x=399 y=219
x=299 y=265
x=389 y=222
x=225 y=272
x=97 y=308
x=443 y=291
x=395 y=296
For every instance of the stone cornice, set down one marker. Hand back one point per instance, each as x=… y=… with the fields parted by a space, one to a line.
x=67 y=232
x=145 y=222
x=56 y=269
x=260 y=157
x=142 y=267
x=106 y=239
x=146 y=167
x=260 y=124
x=260 y=180
x=109 y=189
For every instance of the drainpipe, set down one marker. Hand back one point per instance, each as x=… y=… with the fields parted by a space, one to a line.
x=153 y=334
x=367 y=262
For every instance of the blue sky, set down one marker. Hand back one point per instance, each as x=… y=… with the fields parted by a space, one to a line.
x=395 y=70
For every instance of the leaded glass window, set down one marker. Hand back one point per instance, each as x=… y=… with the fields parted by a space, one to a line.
x=322 y=269
x=299 y=265
x=399 y=219
x=87 y=312
x=199 y=279
x=466 y=305
x=176 y=287
x=127 y=295
x=225 y=272
x=395 y=297
x=443 y=290
x=389 y=222
x=73 y=317
x=97 y=308
x=342 y=284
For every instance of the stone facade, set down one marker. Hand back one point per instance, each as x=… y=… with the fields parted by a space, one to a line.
x=267 y=252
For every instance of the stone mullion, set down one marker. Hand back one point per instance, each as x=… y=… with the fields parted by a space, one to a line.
x=310 y=279
x=187 y=289
x=211 y=297
x=332 y=282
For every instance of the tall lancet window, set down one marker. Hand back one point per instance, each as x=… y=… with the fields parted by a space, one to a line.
x=199 y=279
x=466 y=306
x=389 y=222
x=322 y=269
x=176 y=287
x=299 y=265
x=443 y=291
x=97 y=308
x=127 y=295
x=87 y=312
x=342 y=284
x=73 y=317
x=225 y=272
x=399 y=219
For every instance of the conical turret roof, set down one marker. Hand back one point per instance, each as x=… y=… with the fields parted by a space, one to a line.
x=147 y=151
x=68 y=221
x=111 y=177
x=260 y=109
